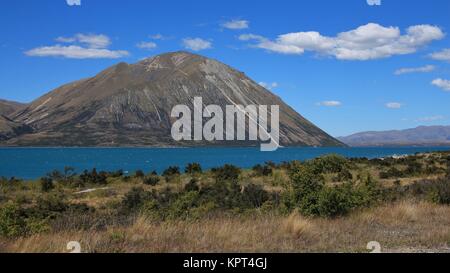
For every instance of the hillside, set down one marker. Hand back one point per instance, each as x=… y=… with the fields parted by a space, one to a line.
x=130 y=105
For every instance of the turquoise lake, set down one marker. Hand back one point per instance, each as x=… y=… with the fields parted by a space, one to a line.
x=32 y=163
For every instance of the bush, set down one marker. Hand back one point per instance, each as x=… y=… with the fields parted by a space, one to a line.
x=392 y=172
x=336 y=201
x=193 y=168
x=151 y=180
x=134 y=199
x=171 y=172
x=139 y=174
x=227 y=173
x=14 y=222
x=255 y=195
x=329 y=164
x=93 y=177
x=192 y=185
x=343 y=176
x=440 y=192
x=260 y=170
x=308 y=193
x=46 y=184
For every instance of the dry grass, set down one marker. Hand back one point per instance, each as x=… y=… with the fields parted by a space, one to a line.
x=401 y=227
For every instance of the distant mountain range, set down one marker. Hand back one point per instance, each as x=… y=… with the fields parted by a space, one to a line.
x=420 y=136
x=130 y=105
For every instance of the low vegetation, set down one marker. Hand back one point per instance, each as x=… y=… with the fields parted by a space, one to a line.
x=292 y=206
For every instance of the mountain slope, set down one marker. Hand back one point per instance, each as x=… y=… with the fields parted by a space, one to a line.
x=130 y=105
x=423 y=135
x=9 y=107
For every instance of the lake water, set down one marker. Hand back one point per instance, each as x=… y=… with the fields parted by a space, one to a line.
x=32 y=163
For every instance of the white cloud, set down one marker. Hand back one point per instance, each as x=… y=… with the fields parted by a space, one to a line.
x=82 y=46
x=236 y=24
x=441 y=83
x=443 y=55
x=430 y=119
x=423 y=69
x=394 y=105
x=367 y=42
x=374 y=2
x=196 y=44
x=269 y=86
x=73 y=2
x=147 y=45
x=89 y=40
x=76 y=52
x=330 y=103
x=159 y=36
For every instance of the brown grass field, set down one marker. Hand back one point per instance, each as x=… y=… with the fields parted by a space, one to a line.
x=400 y=227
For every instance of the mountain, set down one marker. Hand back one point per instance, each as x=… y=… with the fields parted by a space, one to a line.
x=130 y=105
x=10 y=129
x=420 y=136
x=8 y=107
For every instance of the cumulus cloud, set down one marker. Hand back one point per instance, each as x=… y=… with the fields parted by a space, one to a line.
x=443 y=55
x=423 y=69
x=147 y=45
x=89 y=40
x=330 y=103
x=441 y=83
x=81 y=46
x=394 y=105
x=73 y=2
x=236 y=24
x=196 y=44
x=76 y=52
x=269 y=86
x=367 y=42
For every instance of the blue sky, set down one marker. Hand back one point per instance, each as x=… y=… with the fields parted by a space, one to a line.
x=345 y=65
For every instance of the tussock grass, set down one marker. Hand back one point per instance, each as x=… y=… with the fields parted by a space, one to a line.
x=399 y=227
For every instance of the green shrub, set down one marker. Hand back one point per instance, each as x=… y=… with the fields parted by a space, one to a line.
x=260 y=170
x=12 y=221
x=335 y=201
x=93 y=177
x=343 y=176
x=46 y=184
x=308 y=193
x=193 y=168
x=227 y=173
x=182 y=206
x=329 y=164
x=392 y=172
x=440 y=192
x=171 y=172
x=255 y=195
x=134 y=199
x=151 y=180
x=192 y=185
x=15 y=222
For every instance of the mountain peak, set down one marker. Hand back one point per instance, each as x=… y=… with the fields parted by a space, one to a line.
x=131 y=104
